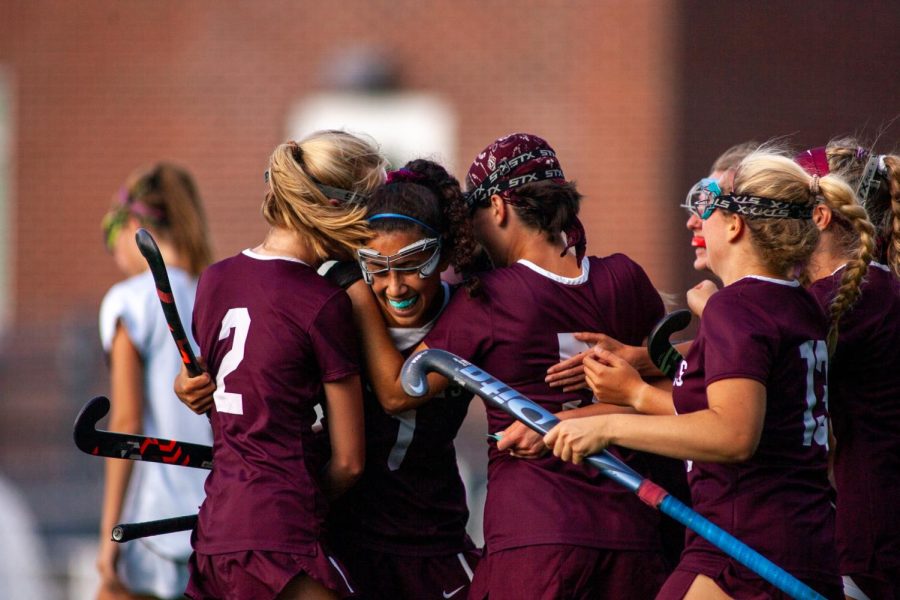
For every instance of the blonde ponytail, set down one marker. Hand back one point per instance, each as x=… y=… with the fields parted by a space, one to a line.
x=298 y=170
x=892 y=165
x=859 y=242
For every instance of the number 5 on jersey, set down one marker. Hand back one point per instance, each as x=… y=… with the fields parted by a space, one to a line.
x=237 y=319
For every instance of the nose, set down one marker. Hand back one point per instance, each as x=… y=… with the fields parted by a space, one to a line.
x=396 y=284
x=693 y=222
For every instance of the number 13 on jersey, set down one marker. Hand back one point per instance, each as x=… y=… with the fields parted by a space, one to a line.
x=815 y=426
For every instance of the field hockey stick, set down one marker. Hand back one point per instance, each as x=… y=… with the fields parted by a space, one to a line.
x=663 y=354
x=147 y=246
x=125 y=532
x=499 y=395
x=129 y=446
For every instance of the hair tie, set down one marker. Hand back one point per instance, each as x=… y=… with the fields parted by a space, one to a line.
x=861 y=152
x=296 y=151
x=575 y=238
x=814 y=185
x=403 y=175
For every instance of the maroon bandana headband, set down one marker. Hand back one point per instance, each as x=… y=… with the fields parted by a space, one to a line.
x=512 y=161
x=814 y=161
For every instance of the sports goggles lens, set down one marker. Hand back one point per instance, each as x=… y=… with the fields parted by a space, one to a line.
x=700 y=197
x=421 y=256
x=112 y=227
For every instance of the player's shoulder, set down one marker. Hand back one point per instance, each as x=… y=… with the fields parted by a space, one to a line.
x=133 y=290
x=617 y=263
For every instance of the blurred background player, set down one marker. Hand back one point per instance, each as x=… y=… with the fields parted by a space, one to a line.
x=750 y=395
x=551 y=530
x=401 y=530
x=277 y=338
x=142 y=362
x=864 y=381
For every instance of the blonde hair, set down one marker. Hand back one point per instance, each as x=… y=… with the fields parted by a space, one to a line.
x=731 y=158
x=786 y=244
x=892 y=163
x=165 y=199
x=848 y=158
x=333 y=158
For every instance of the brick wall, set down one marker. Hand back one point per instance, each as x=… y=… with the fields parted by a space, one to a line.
x=104 y=86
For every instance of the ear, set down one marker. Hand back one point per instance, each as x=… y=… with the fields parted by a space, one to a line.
x=822 y=216
x=334 y=202
x=499 y=209
x=735 y=227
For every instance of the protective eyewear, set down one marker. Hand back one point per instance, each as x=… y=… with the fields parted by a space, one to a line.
x=333 y=193
x=700 y=198
x=112 y=225
x=874 y=175
x=422 y=256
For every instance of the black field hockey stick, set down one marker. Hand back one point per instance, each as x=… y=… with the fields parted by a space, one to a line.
x=128 y=446
x=147 y=246
x=499 y=395
x=662 y=352
x=125 y=532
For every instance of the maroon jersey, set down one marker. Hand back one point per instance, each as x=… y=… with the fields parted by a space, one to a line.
x=864 y=396
x=516 y=332
x=272 y=332
x=410 y=500
x=777 y=501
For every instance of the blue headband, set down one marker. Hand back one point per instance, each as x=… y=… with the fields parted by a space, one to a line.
x=405 y=218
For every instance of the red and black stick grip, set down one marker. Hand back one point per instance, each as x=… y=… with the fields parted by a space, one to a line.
x=110 y=444
x=125 y=532
x=147 y=245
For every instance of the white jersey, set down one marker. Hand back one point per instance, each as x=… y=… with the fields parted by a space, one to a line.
x=158 y=491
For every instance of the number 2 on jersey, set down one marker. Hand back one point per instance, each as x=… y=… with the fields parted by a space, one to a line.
x=239 y=320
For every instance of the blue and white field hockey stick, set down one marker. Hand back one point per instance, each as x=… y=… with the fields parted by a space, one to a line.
x=498 y=394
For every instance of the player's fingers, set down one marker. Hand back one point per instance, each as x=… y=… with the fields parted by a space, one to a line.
x=574 y=379
x=568 y=363
x=551 y=436
x=593 y=366
x=563 y=373
x=577 y=457
x=582 y=385
x=606 y=357
x=589 y=337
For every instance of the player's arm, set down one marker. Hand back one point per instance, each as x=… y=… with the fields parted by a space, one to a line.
x=614 y=381
x=728 y=431
x=383 y=360
x=126 y=391
x=346 y=432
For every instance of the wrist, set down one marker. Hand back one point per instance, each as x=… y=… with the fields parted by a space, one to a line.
x=640 y=398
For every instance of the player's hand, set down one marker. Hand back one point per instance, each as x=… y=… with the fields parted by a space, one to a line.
x=574 y=439
x=568 y=374
x=698 y=296
x=111 y=587
x=195 y=392
x=611 y=378
x=522 y=442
